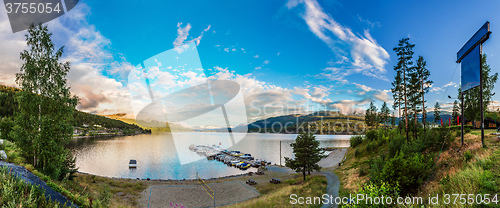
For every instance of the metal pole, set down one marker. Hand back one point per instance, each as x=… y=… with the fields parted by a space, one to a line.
x=463 y=117
x=481 y=91
x=280 y=152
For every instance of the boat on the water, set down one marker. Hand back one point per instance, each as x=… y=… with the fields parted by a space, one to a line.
x=132 y=164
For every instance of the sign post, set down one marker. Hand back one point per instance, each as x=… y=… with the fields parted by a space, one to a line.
x=470 y=56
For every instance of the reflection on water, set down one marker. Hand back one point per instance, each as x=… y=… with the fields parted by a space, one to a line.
x=158 y=158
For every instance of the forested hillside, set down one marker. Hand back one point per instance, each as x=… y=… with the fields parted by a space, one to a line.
x=321 y=122
x=8 y=105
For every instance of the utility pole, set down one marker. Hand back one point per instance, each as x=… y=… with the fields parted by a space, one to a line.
x=481 y=92
x=463 y=117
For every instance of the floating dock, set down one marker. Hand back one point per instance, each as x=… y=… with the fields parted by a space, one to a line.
x=227 y=156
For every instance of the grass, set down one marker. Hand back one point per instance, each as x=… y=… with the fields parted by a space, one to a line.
x=87 y=190
x=468 y=169
x=278 y=195
x=14 y=192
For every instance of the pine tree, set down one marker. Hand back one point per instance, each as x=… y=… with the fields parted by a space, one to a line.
x=397 y=93
x=414 y=97
x=404 y=51
x=455 y=112
x=437 y=112
x=384 y=113
x=423 y=75
x=44 y=121
x=307 y=154
x=371 y=118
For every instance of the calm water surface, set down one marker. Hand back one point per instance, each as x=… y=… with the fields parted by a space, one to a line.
x=163 y=157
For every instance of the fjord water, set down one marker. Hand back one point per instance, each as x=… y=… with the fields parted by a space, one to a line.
x=157 y=156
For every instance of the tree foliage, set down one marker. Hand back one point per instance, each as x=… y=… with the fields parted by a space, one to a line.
x=44 y=121
x=404 y=51
x=437 y=112
x=384 y=113
x=307 y=154
x=455 y=112
x=471 y=97
x=422 y=75
x=371 y=115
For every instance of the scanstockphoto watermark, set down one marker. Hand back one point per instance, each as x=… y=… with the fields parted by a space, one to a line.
x=23 y=13
x=324 y=122
x=444 y=199
x=356 y=199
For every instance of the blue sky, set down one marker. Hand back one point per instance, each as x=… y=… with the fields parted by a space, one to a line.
x=336 y=54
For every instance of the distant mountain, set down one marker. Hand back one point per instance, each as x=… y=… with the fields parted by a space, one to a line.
x=168 y=126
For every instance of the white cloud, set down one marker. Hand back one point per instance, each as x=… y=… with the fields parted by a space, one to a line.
x=451 y=84
x=256 y=56
x=259 y=67
x=86 y=49
x=274 y=99
x=266 y=62
x=182 y=34
x=366 y=55
x=226 y=49
x=363 y=87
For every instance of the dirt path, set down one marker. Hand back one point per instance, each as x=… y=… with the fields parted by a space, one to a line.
x=29 y=177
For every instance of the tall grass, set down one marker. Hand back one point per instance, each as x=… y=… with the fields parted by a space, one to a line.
x=14 y=192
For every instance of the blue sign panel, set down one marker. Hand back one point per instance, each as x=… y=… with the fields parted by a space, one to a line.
x=471 y=66
x=481 y=35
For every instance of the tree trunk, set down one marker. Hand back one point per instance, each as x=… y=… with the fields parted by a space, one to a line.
x=304 y=174
x=416 y=123
x=399 y=122
x=406 y=104
x=423 y=106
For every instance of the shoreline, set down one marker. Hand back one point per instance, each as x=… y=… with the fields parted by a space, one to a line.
x=335 y=157
x=104 y=135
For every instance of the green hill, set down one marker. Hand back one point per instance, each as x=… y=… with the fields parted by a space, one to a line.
x=321 y=122
x=8 y=106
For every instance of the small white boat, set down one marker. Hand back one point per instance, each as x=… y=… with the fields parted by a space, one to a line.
x=132 y=164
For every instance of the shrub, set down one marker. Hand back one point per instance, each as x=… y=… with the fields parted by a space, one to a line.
x=357 y=153
x=370 y=146
x=356 y=140
x=395 y=144
x=371 y=135
x=363 y=171
x=105 y=194
x=407 y=171
x=376 y=167
x=468 y=155
x=374 y=190
x=467 y=130
x=292 y=181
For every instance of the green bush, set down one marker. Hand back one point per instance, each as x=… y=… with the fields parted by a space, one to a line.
x=468 y=155
x=395 y=144
x=409 y=171
x=374 y=190
x=357 y=153
x=467 y=130
x=356 y=140
x=372 y=135
x=105 y=194
x=370 y=146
